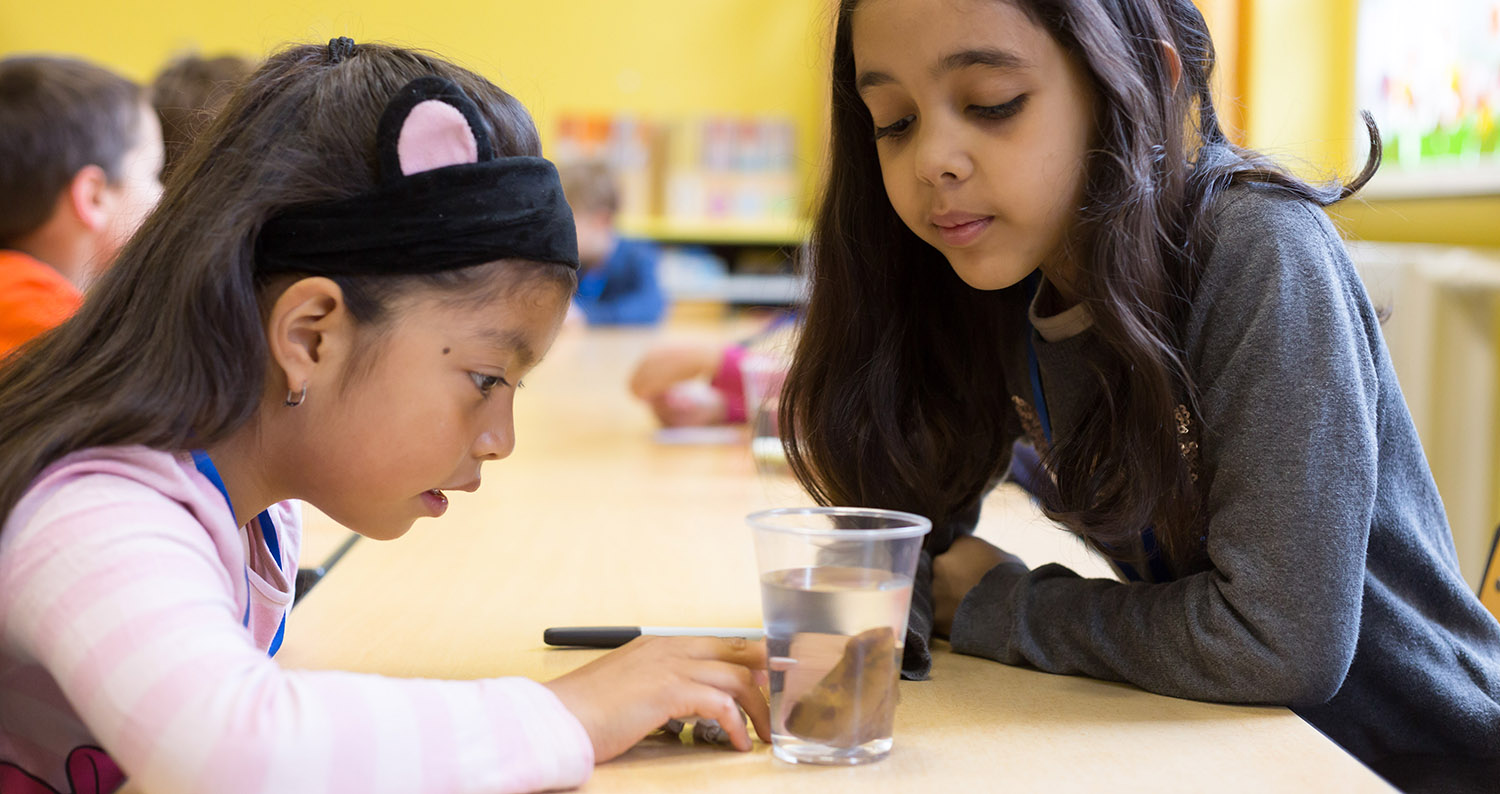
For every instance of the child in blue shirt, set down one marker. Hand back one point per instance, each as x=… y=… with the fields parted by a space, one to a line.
x=617 y=283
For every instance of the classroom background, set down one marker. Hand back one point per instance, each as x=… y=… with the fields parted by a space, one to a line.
x=712 y=111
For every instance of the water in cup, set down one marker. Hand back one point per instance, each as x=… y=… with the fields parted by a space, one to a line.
x=835 y=637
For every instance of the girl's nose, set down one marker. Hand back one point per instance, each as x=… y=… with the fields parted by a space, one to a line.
x=941 y=154
x=497 y=441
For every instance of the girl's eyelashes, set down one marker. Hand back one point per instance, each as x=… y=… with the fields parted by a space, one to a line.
x=895 y=128
x=485 y=383
x=1001 y=111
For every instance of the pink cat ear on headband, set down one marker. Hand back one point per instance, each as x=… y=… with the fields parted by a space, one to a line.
x=442 y=200
x=435 y=134
x=431 y=124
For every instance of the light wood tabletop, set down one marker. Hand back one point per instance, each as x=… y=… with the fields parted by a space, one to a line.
x=592 y=522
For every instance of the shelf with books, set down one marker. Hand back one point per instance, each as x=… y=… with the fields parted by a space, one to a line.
x=719 y=194
x=729 y=262
x=767 y=232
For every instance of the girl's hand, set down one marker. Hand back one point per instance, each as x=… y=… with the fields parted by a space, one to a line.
x=625 y=695
x=956 y=571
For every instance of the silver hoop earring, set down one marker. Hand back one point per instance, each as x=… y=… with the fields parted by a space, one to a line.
x=300 y=396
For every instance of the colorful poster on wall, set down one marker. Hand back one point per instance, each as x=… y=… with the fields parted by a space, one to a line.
x=1430 y=73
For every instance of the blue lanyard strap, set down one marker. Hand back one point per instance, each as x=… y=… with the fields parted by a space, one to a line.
x=267 y=530
x=1038 y=397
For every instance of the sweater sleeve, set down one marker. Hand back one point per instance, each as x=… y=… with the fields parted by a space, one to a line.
x=1280 y=342
x=130 y=609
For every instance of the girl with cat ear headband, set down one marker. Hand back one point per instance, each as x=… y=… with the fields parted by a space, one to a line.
x=311 y=313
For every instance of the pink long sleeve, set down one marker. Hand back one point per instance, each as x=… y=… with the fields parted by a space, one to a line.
x=122 y=593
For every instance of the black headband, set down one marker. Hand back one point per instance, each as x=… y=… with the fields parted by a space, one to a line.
x=429 y=219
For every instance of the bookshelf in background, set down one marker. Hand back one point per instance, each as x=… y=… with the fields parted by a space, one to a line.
x=718 y=193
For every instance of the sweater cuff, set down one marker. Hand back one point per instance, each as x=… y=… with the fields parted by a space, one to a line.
x=981 y=625
x=559 y=750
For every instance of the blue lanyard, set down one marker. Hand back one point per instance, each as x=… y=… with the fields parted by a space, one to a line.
x=267 y=530
x=1033 y=283
x=1154 y=562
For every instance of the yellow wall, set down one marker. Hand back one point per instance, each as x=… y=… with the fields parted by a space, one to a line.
x=1299 y=104
x=1286 y=67
x=1299 y=82
x=666 y=57
x=1455 y=221
x=1225 y=25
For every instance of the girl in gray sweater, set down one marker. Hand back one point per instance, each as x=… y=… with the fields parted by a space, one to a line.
x=1035 y=228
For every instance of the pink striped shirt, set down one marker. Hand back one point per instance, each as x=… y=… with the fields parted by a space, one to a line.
x=123 y=586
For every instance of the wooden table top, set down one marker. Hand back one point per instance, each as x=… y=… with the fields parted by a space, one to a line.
x=592 y=522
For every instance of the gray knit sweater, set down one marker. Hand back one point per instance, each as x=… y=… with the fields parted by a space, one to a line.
x=1334 y=586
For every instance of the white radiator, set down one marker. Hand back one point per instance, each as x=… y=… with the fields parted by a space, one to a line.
x=1442 y=333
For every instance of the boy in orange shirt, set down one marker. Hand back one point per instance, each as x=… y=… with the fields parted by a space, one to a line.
x=80 y=167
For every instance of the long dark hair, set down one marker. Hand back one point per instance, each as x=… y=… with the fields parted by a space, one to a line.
x=169 y=350
x=897 y=394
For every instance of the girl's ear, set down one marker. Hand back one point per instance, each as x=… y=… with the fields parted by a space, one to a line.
x=1173 y=61
x=309 y=328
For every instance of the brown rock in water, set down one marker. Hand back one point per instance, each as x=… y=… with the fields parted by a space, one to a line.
x=856 y=701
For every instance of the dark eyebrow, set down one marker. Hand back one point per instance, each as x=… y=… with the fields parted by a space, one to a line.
x=990 y=58
x=867 y=80
x=510 y=341
x=993 y=59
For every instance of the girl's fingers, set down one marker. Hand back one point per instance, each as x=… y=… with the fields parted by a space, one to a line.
x=739 y=682
x=711 y=703
x=749 y=656
x=720 y=679
x=735 y=650
x=759 y=710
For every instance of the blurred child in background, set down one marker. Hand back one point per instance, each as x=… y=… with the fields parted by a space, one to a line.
x=691 y=384
x=617 y=285
x=188 y=93
x=80 y=167
x=696 y=384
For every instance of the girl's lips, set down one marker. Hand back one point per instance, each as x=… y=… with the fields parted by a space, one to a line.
x=435 y=502
x=962 y=233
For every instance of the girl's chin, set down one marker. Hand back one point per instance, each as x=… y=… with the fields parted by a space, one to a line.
x=384 y=528
x=988 y=275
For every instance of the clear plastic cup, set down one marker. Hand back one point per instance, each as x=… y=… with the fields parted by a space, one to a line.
x=835 y=587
